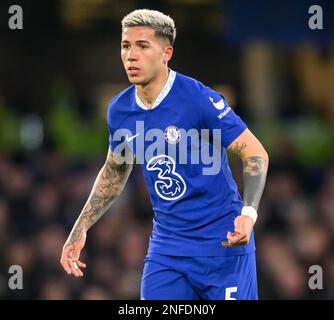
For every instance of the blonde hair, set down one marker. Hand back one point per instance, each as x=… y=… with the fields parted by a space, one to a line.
x=162 y=24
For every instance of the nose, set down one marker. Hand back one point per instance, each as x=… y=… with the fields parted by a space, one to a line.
x=132 y=55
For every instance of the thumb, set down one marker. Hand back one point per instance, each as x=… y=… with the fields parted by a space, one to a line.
x=232 y=236
x=237 y=226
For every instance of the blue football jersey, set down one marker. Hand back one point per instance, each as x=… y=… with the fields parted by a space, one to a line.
x=181 y=145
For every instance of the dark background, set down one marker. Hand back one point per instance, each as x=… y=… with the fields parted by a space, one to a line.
x=57 y=76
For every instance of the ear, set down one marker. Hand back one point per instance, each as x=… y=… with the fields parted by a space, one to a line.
x=168 y=54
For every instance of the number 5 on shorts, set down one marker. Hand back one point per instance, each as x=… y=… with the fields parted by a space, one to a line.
x=229 y=292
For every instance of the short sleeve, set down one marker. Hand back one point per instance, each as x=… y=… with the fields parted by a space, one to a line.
x=217 y=114
x=112 y=142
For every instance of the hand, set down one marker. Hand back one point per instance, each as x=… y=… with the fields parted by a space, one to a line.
x=243 y=226
x=70 y=256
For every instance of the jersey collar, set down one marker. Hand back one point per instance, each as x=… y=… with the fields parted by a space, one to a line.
x=163 y=93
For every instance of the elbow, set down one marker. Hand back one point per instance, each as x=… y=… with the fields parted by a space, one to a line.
x=265 y=156
x=262 y=153
x=259 y=152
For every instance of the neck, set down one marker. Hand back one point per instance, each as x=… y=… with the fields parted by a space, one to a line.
x=149 y=92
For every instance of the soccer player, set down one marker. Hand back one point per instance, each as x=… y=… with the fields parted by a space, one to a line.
x=202 y=243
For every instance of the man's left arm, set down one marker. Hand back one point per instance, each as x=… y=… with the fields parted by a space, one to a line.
x=255 y=165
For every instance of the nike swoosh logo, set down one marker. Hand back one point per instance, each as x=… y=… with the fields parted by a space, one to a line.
x=220 y=105
x=129 y=139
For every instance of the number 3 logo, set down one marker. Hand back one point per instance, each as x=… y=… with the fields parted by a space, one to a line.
x=169 y=185
x=229 y=291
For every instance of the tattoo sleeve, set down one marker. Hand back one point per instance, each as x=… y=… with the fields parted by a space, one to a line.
x=237 y=148
x=108 y=185
x=254 y=175
x=254 y=178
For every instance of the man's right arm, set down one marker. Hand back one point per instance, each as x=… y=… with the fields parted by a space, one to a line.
x=108 y=186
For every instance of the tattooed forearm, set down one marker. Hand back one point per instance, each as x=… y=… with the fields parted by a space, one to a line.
x=238 y=148
x=254 y=177
x=107 y=187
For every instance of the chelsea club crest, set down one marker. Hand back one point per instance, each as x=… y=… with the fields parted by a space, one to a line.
x=172 y=134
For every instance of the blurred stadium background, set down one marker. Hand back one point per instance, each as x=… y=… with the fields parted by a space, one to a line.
x=56 y=78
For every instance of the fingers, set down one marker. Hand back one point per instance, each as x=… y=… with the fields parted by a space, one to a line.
x=66 y=265
x=65 y=261
x=75 y=269
x=76 y=264
x=81 y=264
x=235 y=239
x=71 y=263
x=242 y=231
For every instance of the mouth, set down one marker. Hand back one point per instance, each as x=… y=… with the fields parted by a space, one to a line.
x=133 y=71
x=133 y=68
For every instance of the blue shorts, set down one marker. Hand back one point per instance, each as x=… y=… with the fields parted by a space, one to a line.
x=199 y=278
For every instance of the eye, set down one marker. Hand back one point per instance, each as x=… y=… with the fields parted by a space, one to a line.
x=143 y=46
x=125 y=46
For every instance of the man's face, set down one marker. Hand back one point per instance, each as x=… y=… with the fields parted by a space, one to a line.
x=143 y=54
